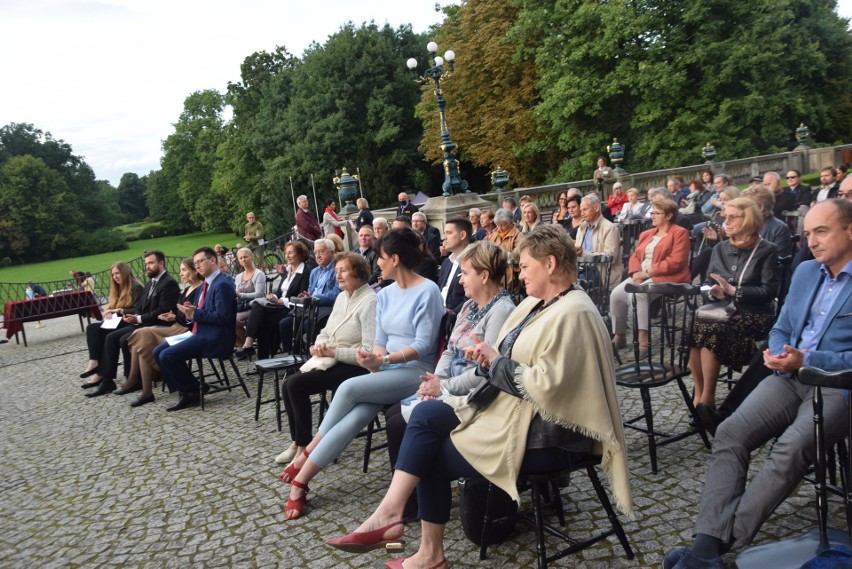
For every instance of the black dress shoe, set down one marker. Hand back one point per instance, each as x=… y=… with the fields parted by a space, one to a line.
x=243 y=353
x=142 y=401
x=104 y=388
x=88 y=385
x=187 y=399
x=89 y=373
x=125 y=391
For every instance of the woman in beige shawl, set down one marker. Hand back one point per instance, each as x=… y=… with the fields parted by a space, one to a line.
x=547 y=399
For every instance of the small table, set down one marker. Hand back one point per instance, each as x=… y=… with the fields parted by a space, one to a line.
x=17 y=312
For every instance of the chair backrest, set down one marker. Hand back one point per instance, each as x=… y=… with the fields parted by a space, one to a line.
x=630 y=231
x=448 y=322
x=306 y=315
x=597 y=269
x=667 y=357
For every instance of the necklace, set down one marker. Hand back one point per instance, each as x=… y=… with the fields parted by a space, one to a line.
x=475 y=314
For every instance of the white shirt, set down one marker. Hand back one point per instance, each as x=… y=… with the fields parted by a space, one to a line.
x=446 y=290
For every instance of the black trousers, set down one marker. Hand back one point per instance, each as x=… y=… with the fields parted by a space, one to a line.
x=262 y=325
x=297 y=396
x=96 y=339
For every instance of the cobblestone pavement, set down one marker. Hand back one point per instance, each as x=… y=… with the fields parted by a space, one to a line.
x=94 y=483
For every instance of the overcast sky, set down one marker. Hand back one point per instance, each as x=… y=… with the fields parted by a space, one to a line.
x=109 y=77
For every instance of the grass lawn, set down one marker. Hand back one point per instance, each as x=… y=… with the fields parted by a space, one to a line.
x=179 y=245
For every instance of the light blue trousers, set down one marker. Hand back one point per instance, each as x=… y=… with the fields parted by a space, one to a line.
x=358 y=401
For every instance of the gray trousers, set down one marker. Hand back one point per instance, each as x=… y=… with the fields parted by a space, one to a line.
x=781 y=408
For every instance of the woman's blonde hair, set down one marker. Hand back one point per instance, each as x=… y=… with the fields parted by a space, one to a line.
x=549 y=239
x=486 y=256
x=531 y=205
x=362 y=203
x=752 y=219
x=121 y=293
x=338 y=242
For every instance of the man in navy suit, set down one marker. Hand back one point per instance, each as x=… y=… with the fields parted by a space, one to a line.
x=213 y=330
x=457 y=232
x=814 y=332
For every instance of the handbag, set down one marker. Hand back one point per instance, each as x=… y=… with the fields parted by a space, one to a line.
x=473 y=495
x=723 y=311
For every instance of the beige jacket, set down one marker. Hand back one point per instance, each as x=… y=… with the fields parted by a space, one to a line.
x=351 y=325
x=606 y=240
x=566 y=375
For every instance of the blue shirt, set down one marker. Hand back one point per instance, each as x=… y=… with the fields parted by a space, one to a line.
x=323 y=286
x=410 y=317
x=823 y=301
x=588 y=246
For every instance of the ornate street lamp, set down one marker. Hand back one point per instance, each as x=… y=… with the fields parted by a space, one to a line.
x=453 y=182
x=499 y=179
x=347 y=190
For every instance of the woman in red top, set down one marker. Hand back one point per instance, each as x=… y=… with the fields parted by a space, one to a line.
x=616 y=199
x=661 y=255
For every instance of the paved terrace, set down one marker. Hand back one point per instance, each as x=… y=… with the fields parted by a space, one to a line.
x=93 y=483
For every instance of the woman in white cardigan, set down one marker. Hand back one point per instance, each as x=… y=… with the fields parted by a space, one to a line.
x=351 y=327
x=250 y=284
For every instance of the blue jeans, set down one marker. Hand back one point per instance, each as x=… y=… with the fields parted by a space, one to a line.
x=357 y=402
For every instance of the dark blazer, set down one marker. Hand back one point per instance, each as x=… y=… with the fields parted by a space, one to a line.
x=803 y=195
x=835 y=342
x=163 y=299
x=216 y=330
x=298 y=285
x=455 y=294
x=433 y=241
x=408 y=209
x=785 y=201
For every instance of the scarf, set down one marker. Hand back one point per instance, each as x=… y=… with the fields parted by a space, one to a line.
x=337 y=230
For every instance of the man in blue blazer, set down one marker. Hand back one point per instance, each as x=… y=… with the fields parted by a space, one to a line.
x=816 y=331
x=213 y=330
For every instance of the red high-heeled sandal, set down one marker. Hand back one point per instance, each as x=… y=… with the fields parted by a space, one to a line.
x=288 y=475
x=364 y=541
x=297 y=505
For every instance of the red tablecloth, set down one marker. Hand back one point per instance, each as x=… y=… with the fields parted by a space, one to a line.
x=17 y=312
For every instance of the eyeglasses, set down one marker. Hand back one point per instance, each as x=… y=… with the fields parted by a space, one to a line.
x=658 y=213
x=727 y=217
x=199 y=262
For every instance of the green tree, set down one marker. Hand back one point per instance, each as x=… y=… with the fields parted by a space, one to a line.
x=39 y=216
x=165 y=204
x=189 y=156
x=131 y=197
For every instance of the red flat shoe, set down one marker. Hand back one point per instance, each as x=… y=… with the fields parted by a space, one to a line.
x=297 y=505
x=361 y=542
x=397 y=564
x=288 y=475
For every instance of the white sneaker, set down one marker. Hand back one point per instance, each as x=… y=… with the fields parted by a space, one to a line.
x=287 y=456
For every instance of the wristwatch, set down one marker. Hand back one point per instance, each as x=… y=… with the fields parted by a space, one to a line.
x=386 y=360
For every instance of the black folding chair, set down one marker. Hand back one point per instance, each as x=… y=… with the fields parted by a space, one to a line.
x=548 y=485
x=305 y=311
x=666 y=360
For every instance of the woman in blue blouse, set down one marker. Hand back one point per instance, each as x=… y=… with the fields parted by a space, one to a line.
x=408 y=318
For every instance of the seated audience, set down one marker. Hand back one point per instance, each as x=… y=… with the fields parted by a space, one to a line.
x=457 y=232
x=251 y=284
x=743 y=270
x=486 y=221
x=408 y=318
x=780 y=409
x=549 y=404
x=262 y=324
x=530 y=217
x=633 y=209
x=212 y=330
x=617 y=199
x=124 y=293
x=351 y=327
x=575 y=216
x=322 y=287
x=143 y=369
x=661 y=255
x=597 y=236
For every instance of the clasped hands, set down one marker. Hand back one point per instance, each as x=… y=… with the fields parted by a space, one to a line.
x=322 y=351
x=789 y=361
x=369 y=360
x=481 y=353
